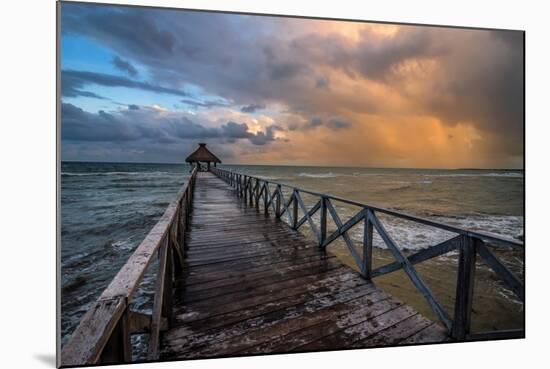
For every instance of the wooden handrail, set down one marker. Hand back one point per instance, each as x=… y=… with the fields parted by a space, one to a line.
x=103 y=334
x=469 y=243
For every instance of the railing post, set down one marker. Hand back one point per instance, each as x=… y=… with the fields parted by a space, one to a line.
x=251 y=193
x=257 y=194
x=464 y=287
x=294 y=210
x=168 y=285
x=266 y=191
x=278 y=202
x=245 y=189
x=118 y=348
x=323 y=221
x=367 y=245
x=240 y=185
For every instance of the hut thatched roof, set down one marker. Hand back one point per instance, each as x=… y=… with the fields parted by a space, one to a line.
x=202 y=154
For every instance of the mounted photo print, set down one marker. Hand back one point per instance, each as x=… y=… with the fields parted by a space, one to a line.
x=235 y=184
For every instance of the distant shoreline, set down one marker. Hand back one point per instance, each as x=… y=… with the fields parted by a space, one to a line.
x=294 y=165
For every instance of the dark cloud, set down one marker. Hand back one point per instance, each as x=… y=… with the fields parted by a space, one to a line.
x=77 y=124
x=133 y=107
x=205 y=104
x=284 y=70
x=252 y=108
x=71 y=87
x=333 y=123
x=124 y=66
x=292 y=126
x=477 y=78
x=262 y=138
x=133 y=25
x=338 y=123
x=74 y=80
x=322 y=83
x=146 y=124
x=235 y=130
x=314 y=123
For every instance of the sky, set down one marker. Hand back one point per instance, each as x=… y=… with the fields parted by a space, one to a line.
x=146 y=85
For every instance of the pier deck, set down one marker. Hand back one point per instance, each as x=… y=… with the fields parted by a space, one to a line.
x=254 y=285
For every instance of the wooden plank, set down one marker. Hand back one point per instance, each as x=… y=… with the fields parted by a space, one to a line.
x=342 y=231
x=420 y=256
x=431 y=334
x=194 y=320
x=464 y=288
x=220 y=297
x=411 y=272
x=374 y=304
x=206 y=344
x=323 y=221
x=365 y=329
x=93 y=332
x=192 y=277
x=141 y=322
x=366 y=267
x=119 y=347
x=152 y=352
x=395 y=333
x=294 y=210
x=496 y=335
x=513 y=282
x=308 y=216
x=253 y=277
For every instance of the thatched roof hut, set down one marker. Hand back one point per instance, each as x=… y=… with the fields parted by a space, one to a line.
x=202 y=155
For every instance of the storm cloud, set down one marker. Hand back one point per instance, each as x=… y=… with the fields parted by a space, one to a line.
x=73 y=81
x=124 y=66
x=319 y=78
x=150 y=125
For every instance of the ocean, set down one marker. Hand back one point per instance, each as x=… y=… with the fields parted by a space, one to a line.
x=108 y=208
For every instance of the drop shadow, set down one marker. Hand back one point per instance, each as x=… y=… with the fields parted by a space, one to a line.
x=48 y=359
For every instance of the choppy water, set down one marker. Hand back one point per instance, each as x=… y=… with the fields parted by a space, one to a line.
x=107 y=209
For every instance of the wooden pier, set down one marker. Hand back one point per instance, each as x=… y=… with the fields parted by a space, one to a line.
x=237 y=277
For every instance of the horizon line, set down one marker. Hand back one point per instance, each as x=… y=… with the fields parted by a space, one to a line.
x=288 y=165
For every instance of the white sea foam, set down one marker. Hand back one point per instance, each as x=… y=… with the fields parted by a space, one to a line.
x=505 y=174
x=142 y=174
x=319 y=175
x=415 y=236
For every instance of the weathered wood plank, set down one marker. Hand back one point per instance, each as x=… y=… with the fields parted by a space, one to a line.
x=420 y=256
x=92 y=334
x=374 y=304
x=502 y=271
x=464 y=288
x=198 y=320
x=411 y=272
x=367 y=328
x=431 y=334
x=159 y=299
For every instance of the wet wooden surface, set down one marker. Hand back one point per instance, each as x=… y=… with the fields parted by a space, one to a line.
x=252 y=285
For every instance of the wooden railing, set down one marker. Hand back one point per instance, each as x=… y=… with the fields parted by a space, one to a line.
x=257 y=191
x=103 y=335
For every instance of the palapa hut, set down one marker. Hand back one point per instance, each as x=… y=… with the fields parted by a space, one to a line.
x=202 y=155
